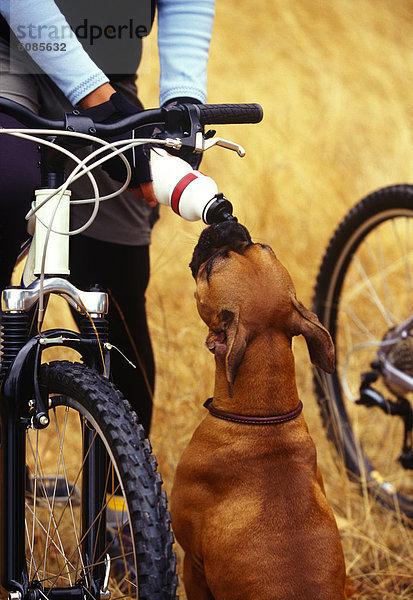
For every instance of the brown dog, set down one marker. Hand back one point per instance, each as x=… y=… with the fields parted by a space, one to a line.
x=248 y=503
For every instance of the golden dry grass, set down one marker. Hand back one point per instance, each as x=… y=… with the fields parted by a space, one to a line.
x=334 y=79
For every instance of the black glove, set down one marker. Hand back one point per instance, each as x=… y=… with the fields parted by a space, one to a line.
x=138 y=157
x=190 y=157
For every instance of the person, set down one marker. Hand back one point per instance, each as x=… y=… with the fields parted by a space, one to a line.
x=58 y=55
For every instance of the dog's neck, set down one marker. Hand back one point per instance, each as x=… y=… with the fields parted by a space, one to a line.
x=265 y=381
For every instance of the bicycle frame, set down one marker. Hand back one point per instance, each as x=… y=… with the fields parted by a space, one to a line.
x=22 y=400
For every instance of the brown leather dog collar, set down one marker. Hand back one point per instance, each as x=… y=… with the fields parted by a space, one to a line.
x=251 y=420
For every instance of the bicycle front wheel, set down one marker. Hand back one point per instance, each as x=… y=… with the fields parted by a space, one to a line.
x=96 y=519
x=364 y=289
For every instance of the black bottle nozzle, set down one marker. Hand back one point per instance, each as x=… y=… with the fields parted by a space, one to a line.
x=218 y=211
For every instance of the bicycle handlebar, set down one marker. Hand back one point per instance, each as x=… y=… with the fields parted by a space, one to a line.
x=206 y=114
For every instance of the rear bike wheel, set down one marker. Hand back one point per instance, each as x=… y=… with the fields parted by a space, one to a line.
x=364 y=289
x=96 y=521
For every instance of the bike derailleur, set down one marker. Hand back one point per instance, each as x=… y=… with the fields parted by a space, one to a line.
x=400 y=407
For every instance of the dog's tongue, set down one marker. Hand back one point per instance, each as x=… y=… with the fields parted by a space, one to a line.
x=229 y=234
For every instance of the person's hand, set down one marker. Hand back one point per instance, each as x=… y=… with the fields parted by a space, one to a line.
x=145 y=192
x=105 y=105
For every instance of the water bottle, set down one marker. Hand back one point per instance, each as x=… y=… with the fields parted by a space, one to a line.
x=189 y=193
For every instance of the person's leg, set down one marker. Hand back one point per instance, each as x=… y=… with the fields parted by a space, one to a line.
x=124 y=272
x=19 y=176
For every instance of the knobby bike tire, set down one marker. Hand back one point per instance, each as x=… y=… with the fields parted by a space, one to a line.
x=366 y=267
x=142 y=561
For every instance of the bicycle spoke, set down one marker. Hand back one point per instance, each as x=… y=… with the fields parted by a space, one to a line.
x=32 y=563
x=42 y=527
x=373 y=292
x=97 y=519
x=355 y=324
x=58 y=547
x=61 y=456
x=54 y=490
x=40 y=480
x=35 y=486
x=407 y=253
x=377 y=255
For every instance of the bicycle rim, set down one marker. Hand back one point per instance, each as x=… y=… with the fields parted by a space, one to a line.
x=364 y=289
x=125 y=550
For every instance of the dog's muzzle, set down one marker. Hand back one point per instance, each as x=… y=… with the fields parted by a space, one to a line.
x=218 y=239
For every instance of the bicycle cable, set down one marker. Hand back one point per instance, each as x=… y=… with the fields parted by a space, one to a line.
x=80 y=170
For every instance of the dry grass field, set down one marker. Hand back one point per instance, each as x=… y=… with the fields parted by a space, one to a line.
x=335 y=80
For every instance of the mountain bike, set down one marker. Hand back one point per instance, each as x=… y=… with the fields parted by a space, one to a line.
x=82 y=511
x=364 y=296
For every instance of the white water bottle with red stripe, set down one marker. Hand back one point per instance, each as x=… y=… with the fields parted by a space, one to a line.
x=189 y=193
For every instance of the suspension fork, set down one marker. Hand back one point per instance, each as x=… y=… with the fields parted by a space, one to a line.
x=19 y=370
x=95 y=480
x=15 y=331
x=94 y=487
x=12 y=501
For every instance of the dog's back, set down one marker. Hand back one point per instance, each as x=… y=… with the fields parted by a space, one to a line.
x=251 y=513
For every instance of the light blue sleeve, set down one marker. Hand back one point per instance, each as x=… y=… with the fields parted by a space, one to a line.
x=66 y=62
x=184 y=35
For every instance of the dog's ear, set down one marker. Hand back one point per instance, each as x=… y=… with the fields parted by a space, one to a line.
x=319 y=342
x=227 y=339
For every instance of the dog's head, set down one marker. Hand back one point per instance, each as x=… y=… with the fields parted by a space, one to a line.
x=244 y=290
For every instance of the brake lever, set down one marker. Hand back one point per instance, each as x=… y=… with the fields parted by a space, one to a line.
x=193 y=137
x=209 y=143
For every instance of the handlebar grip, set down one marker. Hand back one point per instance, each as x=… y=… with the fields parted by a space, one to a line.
x=220 y=114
